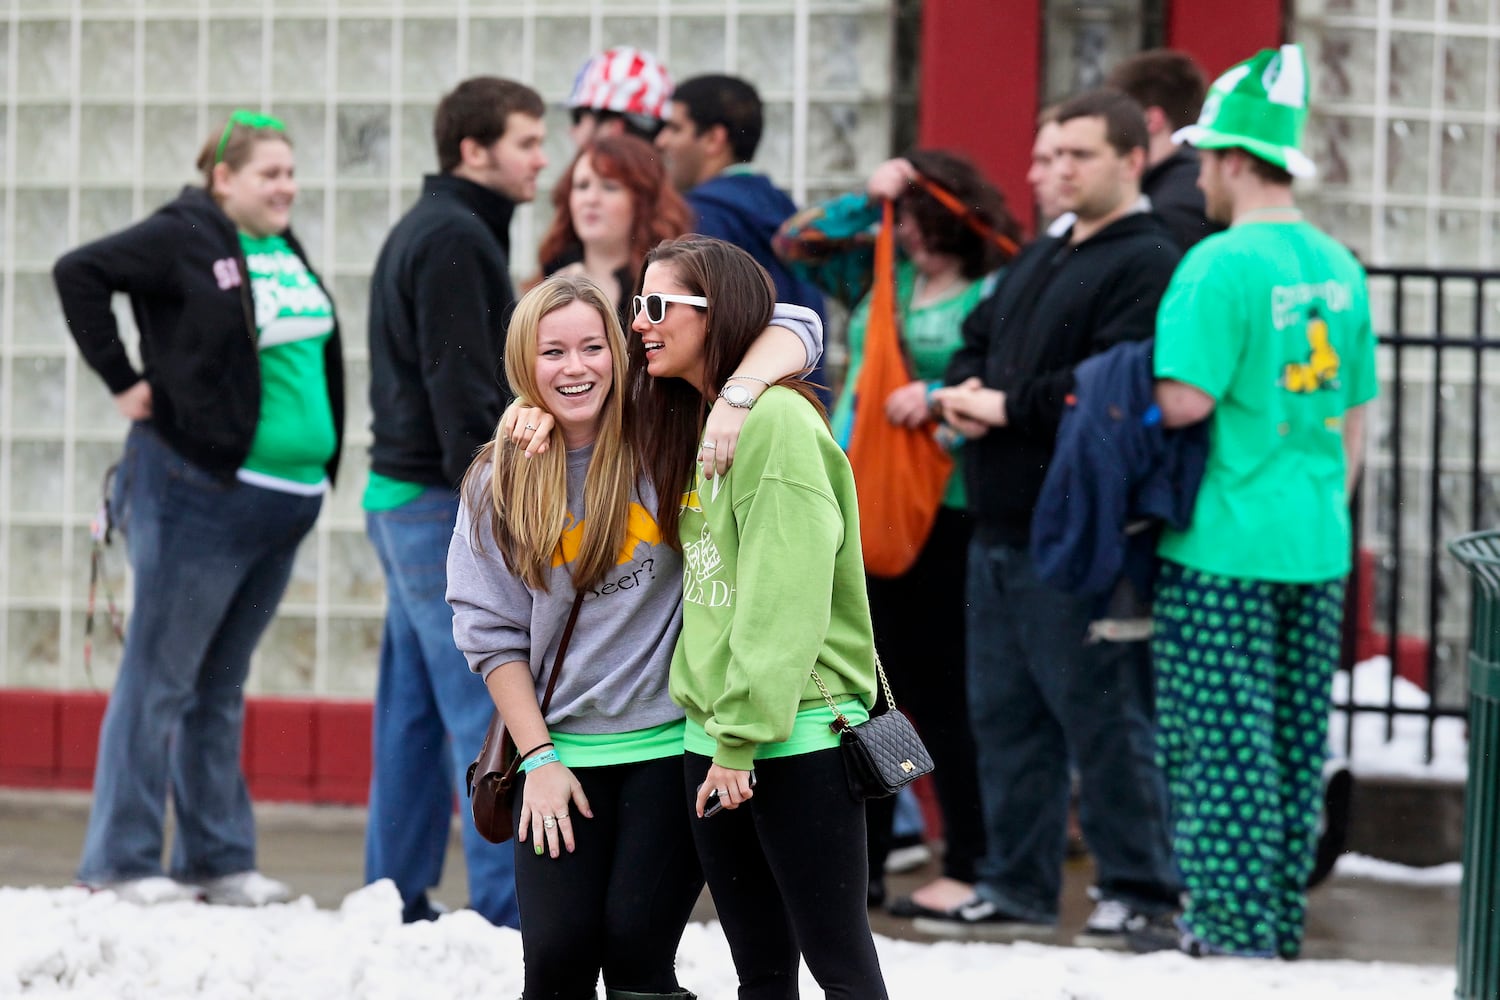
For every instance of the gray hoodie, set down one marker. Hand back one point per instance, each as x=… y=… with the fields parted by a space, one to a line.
x=614 y=678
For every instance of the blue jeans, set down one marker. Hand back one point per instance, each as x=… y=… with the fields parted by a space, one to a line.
x=1038 y=697
x=210 y=561
x=431 y=714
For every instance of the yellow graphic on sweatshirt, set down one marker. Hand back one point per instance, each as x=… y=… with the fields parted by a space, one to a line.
x=641 y=529
x=1321 y=369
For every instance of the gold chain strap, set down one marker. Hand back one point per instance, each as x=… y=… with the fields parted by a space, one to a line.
x=839 y=721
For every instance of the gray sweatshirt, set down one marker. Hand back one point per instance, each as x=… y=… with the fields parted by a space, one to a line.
x=614 y=678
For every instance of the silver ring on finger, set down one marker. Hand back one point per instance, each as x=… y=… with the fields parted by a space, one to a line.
x=549 y=822
x=709 y=446
x=531 y=427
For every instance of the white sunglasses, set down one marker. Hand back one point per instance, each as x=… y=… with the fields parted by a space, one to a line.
x=655 y=304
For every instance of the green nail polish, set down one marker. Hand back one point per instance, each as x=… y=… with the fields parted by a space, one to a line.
x=539 y=847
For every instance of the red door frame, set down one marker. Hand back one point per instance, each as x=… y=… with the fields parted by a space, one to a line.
x=982 y=69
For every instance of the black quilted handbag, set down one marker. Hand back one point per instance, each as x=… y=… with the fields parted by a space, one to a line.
x=882 y=754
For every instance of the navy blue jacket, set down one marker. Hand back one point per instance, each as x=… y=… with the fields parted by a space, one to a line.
x=746 y=209
x=1114 y=466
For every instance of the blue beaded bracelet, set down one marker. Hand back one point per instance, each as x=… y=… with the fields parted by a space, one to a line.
x=545 y=757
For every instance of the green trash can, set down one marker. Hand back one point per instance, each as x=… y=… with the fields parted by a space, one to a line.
x=1479 y=895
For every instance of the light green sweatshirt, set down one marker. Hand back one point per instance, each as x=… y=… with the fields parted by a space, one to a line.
x=773 y=583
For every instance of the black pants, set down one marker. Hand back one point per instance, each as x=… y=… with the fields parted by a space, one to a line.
x=787 y=873
x=919 y=631
x=620 y=901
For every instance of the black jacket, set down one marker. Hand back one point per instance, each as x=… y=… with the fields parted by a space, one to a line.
x=1057 y=305
x=188 y=284
x=1176 y=199
x=440 y=299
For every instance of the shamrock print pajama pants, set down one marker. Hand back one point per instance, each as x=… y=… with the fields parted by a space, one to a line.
x=1244 y=669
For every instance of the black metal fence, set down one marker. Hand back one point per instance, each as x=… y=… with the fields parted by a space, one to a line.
x=1432 y=473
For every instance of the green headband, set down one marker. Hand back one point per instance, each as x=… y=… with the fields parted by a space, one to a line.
x=249 y=119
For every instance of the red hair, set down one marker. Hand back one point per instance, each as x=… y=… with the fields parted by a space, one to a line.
x=660 y=213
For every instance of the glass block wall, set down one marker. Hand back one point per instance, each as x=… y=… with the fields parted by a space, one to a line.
x=1405 y=129
x=105 y=105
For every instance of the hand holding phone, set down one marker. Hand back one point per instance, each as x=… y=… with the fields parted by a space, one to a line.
x=715 y=804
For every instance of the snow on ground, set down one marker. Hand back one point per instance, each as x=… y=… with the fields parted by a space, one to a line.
x=1375 y=870
x=68 y=941
x=1402 y=755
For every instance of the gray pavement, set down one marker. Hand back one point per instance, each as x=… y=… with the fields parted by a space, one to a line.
x=319 y=851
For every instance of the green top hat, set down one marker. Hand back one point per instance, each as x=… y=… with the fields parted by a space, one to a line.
x=1259 y=106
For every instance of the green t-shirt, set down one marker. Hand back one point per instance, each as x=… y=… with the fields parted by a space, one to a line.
x=1271 y=319
x=387 y=493
x=811 y=731
x=606 y=749
x=930 y=333
x=773 y=585
x=295 y=438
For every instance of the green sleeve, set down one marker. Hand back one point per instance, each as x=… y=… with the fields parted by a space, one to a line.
x=1200 y=326
x=789 y=531
x=833 y=245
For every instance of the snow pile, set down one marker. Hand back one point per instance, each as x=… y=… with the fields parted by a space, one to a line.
x=1402 y=755
x=68 y=941
x=1375 y=870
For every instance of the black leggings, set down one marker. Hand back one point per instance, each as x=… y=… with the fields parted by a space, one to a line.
x=621 y=900
x=919 y=630
x=789 y=870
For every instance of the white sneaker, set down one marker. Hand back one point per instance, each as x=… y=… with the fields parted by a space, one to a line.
x=1110 y=916
x=245 y=889
x=907 y=859
x=148 y=891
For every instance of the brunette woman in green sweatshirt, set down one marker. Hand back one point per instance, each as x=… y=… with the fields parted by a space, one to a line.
x=773 y=587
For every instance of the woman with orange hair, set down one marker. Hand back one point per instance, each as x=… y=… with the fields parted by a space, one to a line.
x=613 y=204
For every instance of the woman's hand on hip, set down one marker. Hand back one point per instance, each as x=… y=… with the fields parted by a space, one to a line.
x=733 y=787
x=135 y=403
x=546 y=795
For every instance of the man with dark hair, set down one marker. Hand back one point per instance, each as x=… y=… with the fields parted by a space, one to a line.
x=1169 y=85
x=710 y=136
x=1041 y=687
x=1265 y=332
x=439 y=300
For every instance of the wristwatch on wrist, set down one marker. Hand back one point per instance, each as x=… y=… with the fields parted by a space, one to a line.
x=737 y=396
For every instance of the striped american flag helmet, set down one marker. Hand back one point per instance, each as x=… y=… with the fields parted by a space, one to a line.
x=625 y=80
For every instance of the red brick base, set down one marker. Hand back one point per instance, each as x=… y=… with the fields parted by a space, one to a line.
x=296 y=750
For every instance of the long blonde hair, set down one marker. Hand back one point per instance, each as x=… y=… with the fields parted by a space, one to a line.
x=528 y=497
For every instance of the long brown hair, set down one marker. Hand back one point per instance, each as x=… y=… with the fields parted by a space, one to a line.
x=942 y=230
x=658 y=211
x=669 y=412
x=528 y=497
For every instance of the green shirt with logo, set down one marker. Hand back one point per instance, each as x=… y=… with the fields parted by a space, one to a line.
x=1271 y=319
x=295 y=438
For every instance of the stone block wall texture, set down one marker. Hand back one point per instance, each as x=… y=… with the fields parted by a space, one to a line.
x=103 y=107
x=1405 y=129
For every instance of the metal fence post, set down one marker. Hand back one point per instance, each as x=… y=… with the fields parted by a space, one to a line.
x=1478 y=920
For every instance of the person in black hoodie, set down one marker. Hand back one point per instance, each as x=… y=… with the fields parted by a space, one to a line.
x=237 y=414
x=440 y=299
x=1169 y=87
x=1039 y=693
